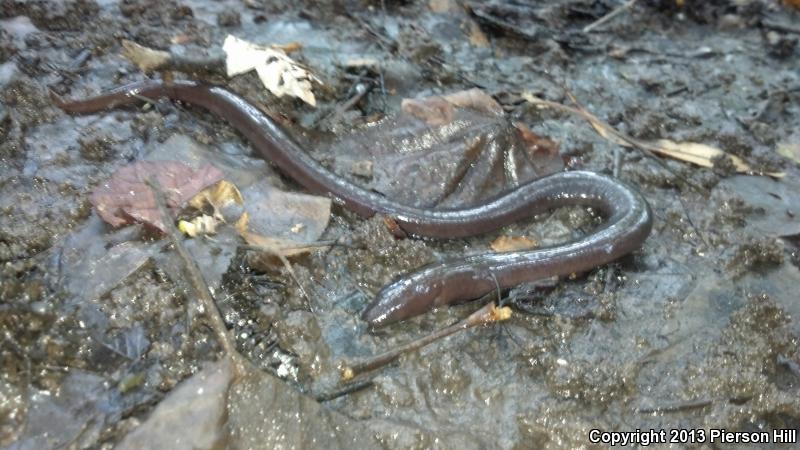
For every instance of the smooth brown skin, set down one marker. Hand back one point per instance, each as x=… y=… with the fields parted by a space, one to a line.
x=628 y=217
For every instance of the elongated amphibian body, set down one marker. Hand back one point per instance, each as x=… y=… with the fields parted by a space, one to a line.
x=628 y=219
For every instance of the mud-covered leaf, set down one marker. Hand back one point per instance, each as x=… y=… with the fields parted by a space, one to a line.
x=447 y=151
x=191 y=415
x=71 y=417
x=126 y=198
x=266 y=413
x=282 y=221
x=216 y=409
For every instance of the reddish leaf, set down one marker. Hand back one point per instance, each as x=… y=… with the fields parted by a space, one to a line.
x=126 y=198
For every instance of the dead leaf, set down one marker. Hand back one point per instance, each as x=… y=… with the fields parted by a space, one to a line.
x=217 y=196
x=513 y=243
x=476 y=36
x=190 y=417
x=280 y=74
x=439 y=110
x=367 y=63
x=284 y=247
x=701 y=154
x=442 y=6
x=125 y=198
x=282 y=223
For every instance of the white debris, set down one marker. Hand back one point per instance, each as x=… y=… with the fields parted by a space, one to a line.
x=279 y=73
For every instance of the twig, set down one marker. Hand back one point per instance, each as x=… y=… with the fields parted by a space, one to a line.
x=344 y=390
x=195 y=279
x=617 y=11
x=607 y=131
x=617 y=162
x=488 y=314
x=678 y=407
x=317 y=244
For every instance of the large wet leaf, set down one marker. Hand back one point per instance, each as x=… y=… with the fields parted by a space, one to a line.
x=216 y=409
x=446 y=151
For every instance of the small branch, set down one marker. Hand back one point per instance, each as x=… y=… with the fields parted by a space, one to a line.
x=195 y=279
x=617 y=11
x=677 y=407
x=608 y=132
x=486 y=315
x=344 y=390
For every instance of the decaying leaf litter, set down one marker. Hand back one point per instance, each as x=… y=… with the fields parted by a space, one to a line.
x=655 y=339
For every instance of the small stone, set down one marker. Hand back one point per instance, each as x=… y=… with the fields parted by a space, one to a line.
x=362 y=168
x=229 y=18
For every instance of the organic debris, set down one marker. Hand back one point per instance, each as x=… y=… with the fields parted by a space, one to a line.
x=488 y=314
x=284 y=223
x=513 y=243
x=125 y=198
x=279 y=73
x=217 y=197
x=147 y=59
x=447 y=151
x=699 y=154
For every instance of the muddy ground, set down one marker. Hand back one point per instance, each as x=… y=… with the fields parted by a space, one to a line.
x=696 y=330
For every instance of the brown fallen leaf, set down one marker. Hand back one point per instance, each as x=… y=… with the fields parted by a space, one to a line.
x=125 y=198
x=513 y=243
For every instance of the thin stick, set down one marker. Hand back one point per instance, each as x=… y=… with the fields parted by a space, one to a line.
x=617 y=11
x=488 y=314
x=677 y=407
x=617 y=162
x=344 y=390
x=613 y=135
x=195 y=278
